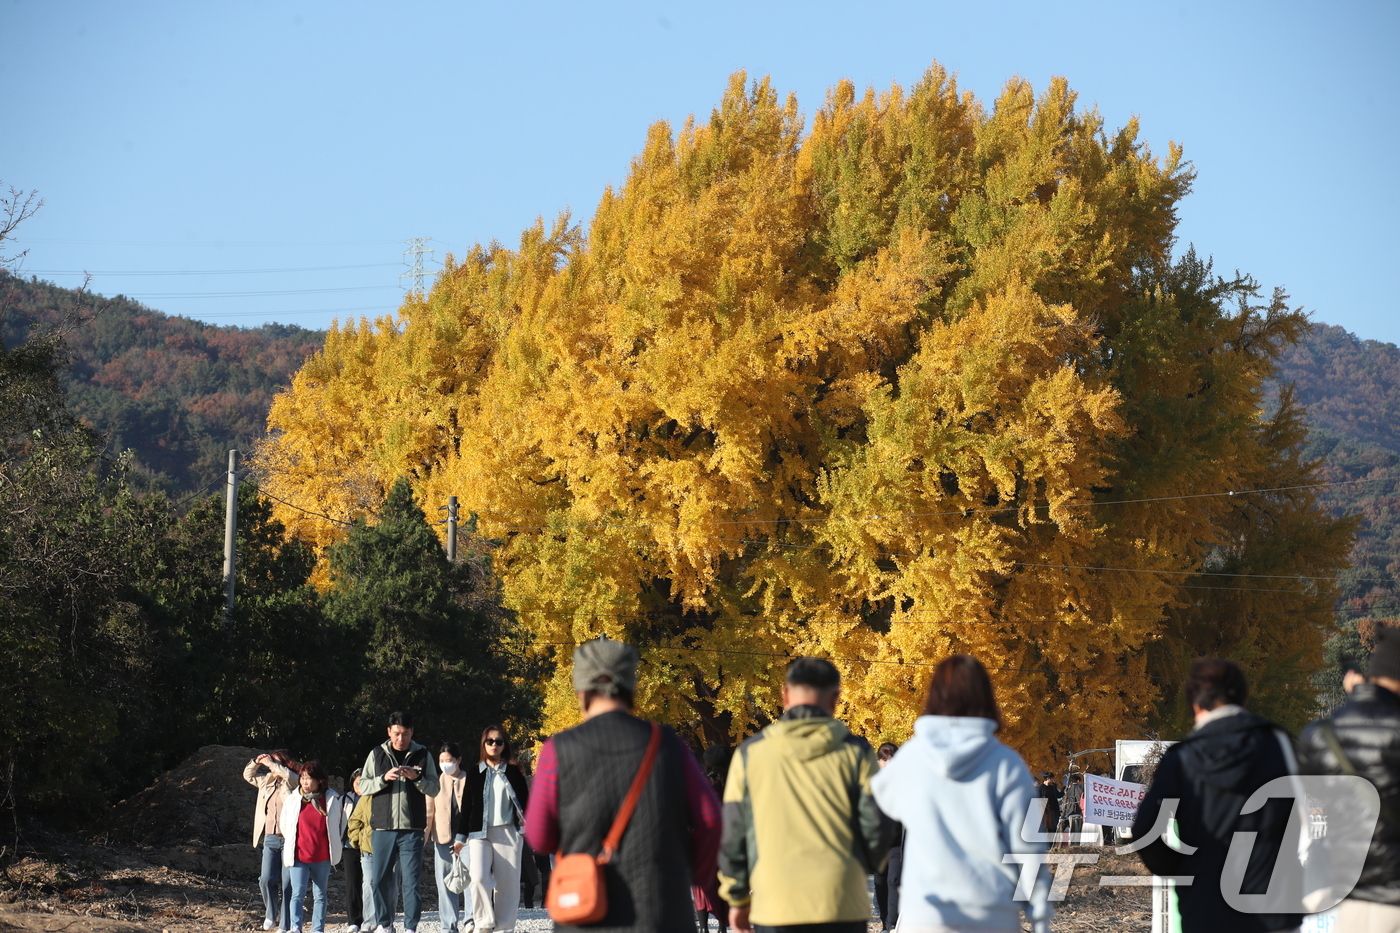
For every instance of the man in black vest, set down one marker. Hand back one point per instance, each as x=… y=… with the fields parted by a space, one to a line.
x=398 y=777
x=1363 y=737
x=581 y=779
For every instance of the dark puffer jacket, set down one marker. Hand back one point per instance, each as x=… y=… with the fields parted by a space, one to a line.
x=1368 y=730
x=1213 y=771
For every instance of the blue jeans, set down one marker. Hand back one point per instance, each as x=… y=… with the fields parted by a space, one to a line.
x=274 y=882
x=367 y=884
x=318 y=875
x=449 y=904
x=404 y=847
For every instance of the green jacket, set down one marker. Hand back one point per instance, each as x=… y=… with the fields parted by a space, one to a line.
x=398 y=805
x=801 y=830
x=361 y=836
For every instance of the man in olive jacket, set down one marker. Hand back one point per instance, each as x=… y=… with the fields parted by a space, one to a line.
x=398 y=777
x=801 y=830
x=1363 y=737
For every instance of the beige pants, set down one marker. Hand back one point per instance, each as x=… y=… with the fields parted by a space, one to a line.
x=494 y=863
x=1366 y=917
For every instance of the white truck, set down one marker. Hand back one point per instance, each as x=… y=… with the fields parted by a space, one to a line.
x=1129 y=755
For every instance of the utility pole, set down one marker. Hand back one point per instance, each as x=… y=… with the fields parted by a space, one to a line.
x=417 y=248
x=451 y=509
x=230 y=535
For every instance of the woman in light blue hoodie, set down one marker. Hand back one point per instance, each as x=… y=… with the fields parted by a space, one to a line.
x=964 y=800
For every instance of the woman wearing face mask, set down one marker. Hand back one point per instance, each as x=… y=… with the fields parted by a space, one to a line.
x=442 y=821
x=313 y=824
x=493 y=807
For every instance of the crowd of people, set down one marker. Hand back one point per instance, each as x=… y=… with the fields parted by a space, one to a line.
x=783 y=834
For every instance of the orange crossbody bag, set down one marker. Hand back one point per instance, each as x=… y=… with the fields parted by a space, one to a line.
x=578 y=890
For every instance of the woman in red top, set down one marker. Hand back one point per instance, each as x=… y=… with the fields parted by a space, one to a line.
x=313 y=823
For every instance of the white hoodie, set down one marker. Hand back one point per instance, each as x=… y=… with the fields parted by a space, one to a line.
x=962 y=797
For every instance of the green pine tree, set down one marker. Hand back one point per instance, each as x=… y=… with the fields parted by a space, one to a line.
x=435 y=640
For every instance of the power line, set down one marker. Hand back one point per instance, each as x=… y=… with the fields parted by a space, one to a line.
x=1015 y=564
x=260 y=294
x=759 y=542
x=211 y=243
x=641 y=615
x=213 y=482
x=892 y=515
x=904 y=663
x=266 y=313
x=985 y=510
x=372 y=265
x=320 y=515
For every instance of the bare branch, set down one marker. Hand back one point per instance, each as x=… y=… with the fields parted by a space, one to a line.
x=15 y=209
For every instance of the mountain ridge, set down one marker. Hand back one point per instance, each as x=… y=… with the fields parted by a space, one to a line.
x=178 y=392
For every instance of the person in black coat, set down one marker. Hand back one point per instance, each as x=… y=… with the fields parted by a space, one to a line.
x=1366 y=732
x=887 y=880
x=488 y=825
x=1050 y=792
x=1212 y=772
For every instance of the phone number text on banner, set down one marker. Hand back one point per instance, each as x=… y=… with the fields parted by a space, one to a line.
x=1111 y=803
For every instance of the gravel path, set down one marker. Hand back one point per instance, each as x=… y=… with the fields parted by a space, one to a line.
x=528 y=921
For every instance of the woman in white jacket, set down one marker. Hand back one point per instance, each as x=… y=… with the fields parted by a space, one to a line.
x=963 y=798
x=313 y=825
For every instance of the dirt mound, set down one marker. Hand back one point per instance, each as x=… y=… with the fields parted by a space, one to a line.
x=202 y=802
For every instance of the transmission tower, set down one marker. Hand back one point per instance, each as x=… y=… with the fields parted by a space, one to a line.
x=417 y=248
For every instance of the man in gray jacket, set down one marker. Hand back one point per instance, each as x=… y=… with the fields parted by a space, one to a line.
x=398 y=776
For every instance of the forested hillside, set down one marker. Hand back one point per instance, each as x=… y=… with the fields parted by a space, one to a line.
x=117 y=659
x=1351 y=388
x=177 y=392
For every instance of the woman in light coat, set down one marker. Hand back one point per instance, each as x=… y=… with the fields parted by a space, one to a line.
x=442 y=820
x=271 y=774
x=313 y=824
x=964 y=799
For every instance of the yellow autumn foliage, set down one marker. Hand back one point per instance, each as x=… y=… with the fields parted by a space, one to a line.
x=921 y=378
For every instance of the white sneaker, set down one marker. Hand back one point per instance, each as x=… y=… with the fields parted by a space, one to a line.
x=268 y=924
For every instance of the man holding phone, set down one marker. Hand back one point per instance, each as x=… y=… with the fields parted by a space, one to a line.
x=398 y=776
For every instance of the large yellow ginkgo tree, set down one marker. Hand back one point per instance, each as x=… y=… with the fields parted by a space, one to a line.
x=918 y=378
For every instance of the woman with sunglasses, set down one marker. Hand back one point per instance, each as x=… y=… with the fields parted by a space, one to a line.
x=493 y=807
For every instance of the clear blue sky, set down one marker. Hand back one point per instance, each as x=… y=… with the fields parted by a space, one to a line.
x=177 y=136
